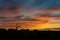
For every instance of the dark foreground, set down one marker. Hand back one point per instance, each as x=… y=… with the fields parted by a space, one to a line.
x=28 y=35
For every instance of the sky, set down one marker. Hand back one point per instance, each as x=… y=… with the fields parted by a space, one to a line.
x=30 y=14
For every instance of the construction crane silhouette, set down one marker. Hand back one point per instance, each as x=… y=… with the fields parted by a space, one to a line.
x=17 y=26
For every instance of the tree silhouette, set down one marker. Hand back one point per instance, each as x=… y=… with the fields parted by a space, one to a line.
x=17 y=26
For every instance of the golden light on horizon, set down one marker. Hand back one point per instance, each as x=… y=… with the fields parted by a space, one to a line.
x=40 y=23
x=32 y=25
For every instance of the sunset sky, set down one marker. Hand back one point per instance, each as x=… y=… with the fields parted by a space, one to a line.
x=30 y=14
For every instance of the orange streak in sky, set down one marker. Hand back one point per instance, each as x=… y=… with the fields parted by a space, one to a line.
x=41 y=22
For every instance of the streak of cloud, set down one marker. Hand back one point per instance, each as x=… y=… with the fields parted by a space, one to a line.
x=51 y=14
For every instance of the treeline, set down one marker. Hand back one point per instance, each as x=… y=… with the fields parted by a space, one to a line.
x=27 y=34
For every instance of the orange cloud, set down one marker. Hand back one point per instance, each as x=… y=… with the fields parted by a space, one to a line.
x=41 y=23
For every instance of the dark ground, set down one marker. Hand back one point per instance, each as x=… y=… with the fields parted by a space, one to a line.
x=28 y=35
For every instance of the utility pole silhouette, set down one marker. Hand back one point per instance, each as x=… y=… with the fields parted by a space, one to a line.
x=17 y=26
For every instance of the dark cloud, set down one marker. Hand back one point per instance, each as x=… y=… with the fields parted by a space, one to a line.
x=26 y=18
x=21 y=17
x=9 y=5
x=7 y=20
x=2 y=17
x=52 y=14
x=2 y=20
x=40 y=14
x=27 y=4
x=29 y=19
x=17 y=17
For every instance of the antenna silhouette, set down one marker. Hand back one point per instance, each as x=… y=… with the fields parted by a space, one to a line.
x=17 y=26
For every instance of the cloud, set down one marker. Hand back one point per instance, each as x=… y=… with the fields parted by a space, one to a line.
x=51 y=14
x=54 y=14
x=29 y=19
x=25 y=18
x=21 y=17
x=2 y=20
